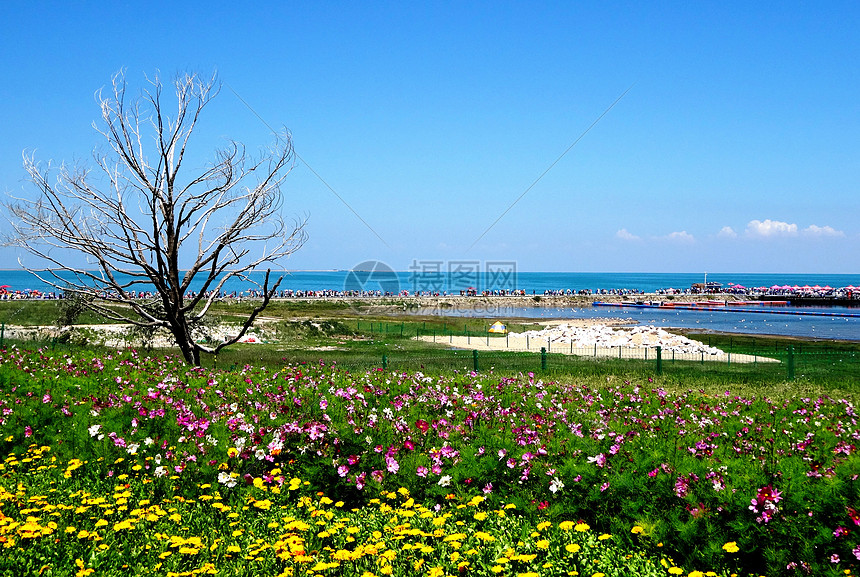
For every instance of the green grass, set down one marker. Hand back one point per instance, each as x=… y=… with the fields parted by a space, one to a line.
x=39 y=313
x=333 y=333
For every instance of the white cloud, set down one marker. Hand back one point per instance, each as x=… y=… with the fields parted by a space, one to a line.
x=770 y=228
x=814 y=230
x=727 y=232
x=624 y=235
x=682 y=236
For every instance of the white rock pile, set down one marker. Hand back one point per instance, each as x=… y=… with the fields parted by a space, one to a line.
x=603 y=336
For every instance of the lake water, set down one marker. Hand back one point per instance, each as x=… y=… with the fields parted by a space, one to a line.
x=719 y=320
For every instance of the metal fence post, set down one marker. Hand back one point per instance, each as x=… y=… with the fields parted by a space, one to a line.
x=384 y=361
x=659 y=360
x=790 y=363
x=543 y=358
x=475 y=359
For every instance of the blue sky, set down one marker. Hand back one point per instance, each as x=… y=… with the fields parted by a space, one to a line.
x=735 y=150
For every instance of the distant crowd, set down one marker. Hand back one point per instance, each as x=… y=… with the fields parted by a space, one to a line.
x=806 y=291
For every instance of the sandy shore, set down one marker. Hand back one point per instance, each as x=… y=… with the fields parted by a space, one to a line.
x=585 y=338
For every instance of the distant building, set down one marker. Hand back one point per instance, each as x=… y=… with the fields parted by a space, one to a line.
x=709 y=287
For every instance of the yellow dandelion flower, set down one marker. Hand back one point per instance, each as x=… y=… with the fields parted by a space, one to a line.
x=676 y=571
x=542 y=544
x=636 y=530
x=581 y=527
x=731 y=547
x=524 y=558
x=572 y=548
x=604 y=537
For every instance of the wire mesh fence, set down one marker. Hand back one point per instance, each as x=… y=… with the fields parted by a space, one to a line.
x=473 y=348
x=467 y=350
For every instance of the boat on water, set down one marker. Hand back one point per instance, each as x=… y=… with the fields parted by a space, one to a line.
x=758 y=303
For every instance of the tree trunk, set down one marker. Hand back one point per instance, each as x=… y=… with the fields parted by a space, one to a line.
x=185 y=341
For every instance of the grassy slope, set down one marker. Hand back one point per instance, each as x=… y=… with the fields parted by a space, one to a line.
x=335 y=332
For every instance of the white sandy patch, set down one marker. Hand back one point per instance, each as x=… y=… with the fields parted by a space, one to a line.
x=121 y=335
x=599 y=340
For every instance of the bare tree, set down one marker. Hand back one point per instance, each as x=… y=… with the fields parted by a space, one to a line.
x=143 y=227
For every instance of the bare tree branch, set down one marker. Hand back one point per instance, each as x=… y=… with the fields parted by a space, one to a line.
x=140 y=218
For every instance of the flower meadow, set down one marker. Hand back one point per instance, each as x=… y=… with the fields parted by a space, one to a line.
x=124 y=463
